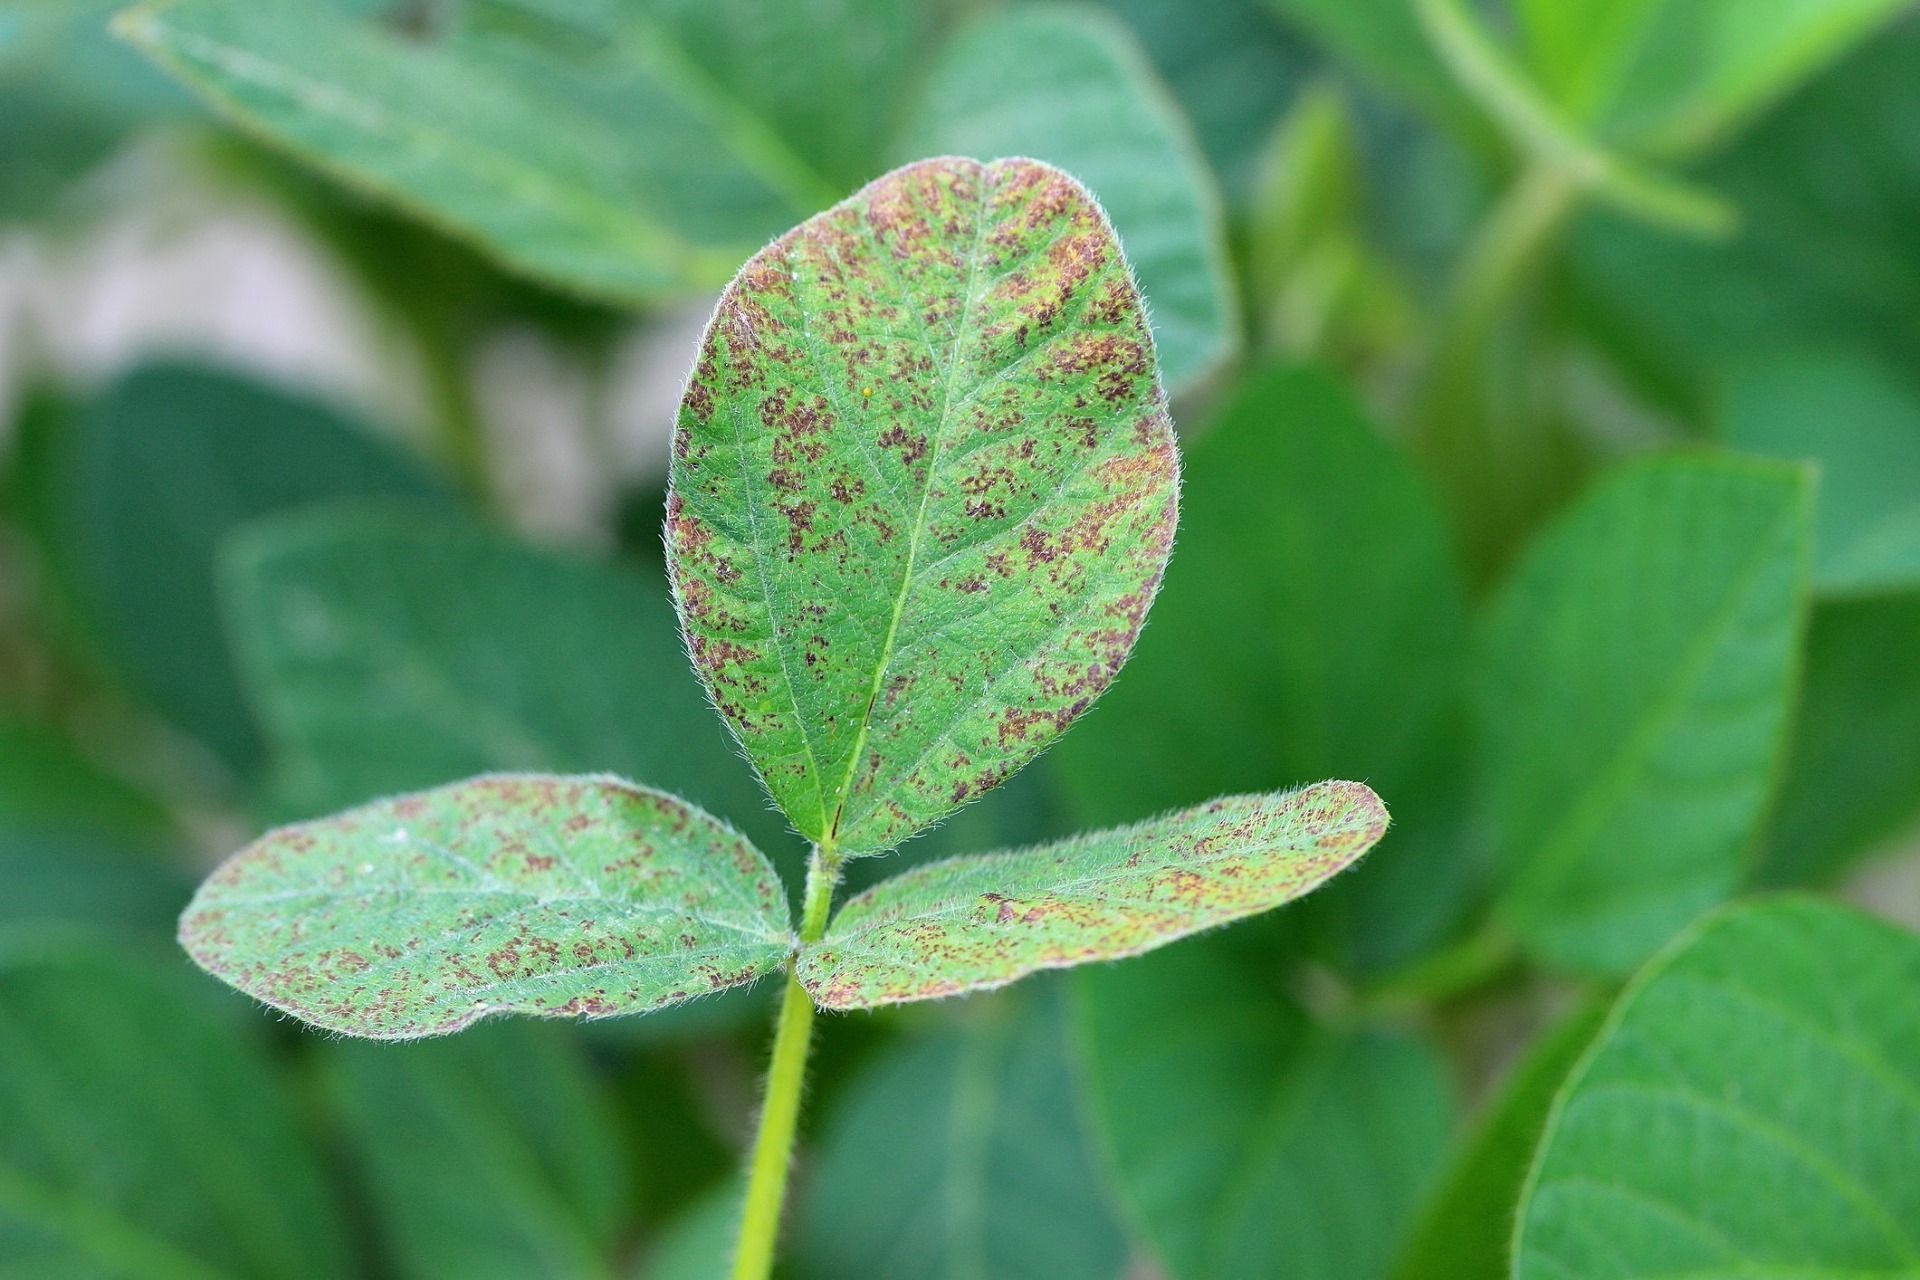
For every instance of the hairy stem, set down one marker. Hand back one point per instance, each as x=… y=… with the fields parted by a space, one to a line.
x=786 y=1082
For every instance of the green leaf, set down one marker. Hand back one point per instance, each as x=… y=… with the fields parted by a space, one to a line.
x=1853 y=771
x=1312 y=544
x=923 y=491
x=1232 y=68
x=492 y=1156
x=145 y=1136
x=62 y=875
x=961 y=1153
x=45 y=781
x=1072 y=87
x=983 y=921
x=1384 y=41
x=1669 y=77
x=386 y=650
x=1246 y=1141
x=146 y=482
x=506 y=894
x=1752 y=1108
x=619 y=171
x=1861 y=424
x=1465 y=1232
x=1634 y=691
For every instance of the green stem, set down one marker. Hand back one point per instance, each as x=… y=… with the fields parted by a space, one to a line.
x=786 y=1081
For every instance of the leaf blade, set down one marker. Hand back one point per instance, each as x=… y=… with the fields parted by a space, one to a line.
x=1633 y=694
x=844 y=538
x=1775 y=1043
x=979 y=922
x=511 y=866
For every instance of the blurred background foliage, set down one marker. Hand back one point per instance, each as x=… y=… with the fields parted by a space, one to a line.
x=338 y=350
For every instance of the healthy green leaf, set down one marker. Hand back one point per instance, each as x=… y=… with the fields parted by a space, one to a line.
x=1232 y=68
x=46 y=782
x=983 y=921
x=961 y=1153
x=923 y=491
x=1325 y=557
x=150 y=477
x=1853 y=770
x=1247 y=1142
x=142 y=1136
x=1465 y=1232
x=1072 y=87
x=1634 y=691
x=1383 y=39
x=61 y=875
x=493 y=1155
x=387 y=650
x=506 y=894
x=1752 y=1108
x=1669 y=77
x=1861 y=424
x=621 y=172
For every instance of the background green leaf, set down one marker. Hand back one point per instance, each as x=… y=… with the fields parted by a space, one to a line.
x=895 y=598
x=1634 y=691
x=389 y=649
x=141 y=1133
x=512 y=893
x=148 y=479
x=1751 y=1108
x=961 y=1152
x=493 y=1155
x=1072 y=87
x=1465 y=1230
x=1853 y=767
x=1312 y=543
x=1861 y=425
x=983 y=921
x=1246 y=1141
x=698 y=1245
x=528 y=151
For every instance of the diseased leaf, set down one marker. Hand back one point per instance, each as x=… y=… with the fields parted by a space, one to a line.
x=1247 y=1143
x=923 y=491
x=605 y=172
x=1634 y=691
x=961 y=1153
x=1070 y=86
x=1669 y=77
x=388 y=650
x=151 y=475
x=1861 y=424
x=1853 y=767
x=506 y=894
x=983 y=921
x=1313 y=544
x=1752 y=1108
x=1465 y=1231
x=142 y=1134
x=493 y=1155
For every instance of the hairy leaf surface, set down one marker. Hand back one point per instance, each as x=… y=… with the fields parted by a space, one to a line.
x=505 y=894
x=1752 y=1108
x=1073 y=88
x=984 y=921
x=1634 y=692
x=923 y=491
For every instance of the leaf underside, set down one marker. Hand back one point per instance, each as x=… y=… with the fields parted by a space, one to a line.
x=979 y=922
x=535 y=894
x=924 y=487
